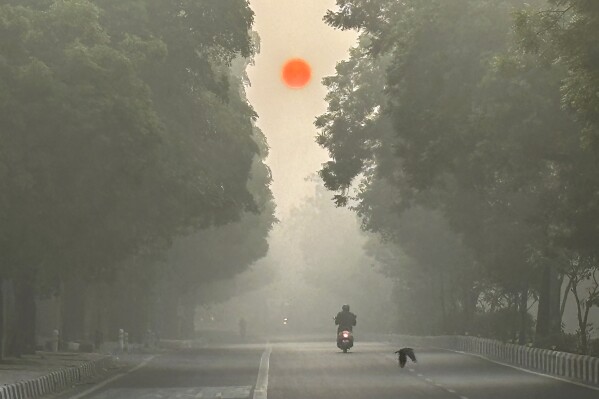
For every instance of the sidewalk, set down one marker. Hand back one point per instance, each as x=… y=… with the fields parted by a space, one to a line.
x=30 y=367
x=34 y=376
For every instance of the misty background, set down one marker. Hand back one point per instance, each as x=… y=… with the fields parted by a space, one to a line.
x=438 y=173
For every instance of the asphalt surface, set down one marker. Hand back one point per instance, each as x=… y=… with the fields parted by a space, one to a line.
x=317 y=370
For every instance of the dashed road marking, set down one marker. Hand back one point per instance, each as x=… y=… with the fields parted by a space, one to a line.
x=430 y=381
x=226 y=392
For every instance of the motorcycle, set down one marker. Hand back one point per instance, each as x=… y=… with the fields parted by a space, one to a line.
x=345 y=340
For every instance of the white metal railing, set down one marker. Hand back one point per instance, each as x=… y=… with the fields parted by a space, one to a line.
x=568 y=365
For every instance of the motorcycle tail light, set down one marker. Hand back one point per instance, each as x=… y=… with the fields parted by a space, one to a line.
x=345 y=335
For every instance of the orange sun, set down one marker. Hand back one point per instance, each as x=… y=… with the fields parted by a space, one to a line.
x=296 y=73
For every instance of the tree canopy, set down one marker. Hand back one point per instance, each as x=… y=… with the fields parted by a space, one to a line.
x=124 y=126
x=474 y=111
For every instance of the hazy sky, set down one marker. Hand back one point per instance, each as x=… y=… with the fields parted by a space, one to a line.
x=288 y=29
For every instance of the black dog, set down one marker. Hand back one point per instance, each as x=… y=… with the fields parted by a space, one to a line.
x=403 y=355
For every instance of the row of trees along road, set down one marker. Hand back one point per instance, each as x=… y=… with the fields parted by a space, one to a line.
x=126 y=141
x=466 y=133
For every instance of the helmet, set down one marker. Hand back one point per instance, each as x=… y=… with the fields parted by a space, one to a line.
x=345 y=308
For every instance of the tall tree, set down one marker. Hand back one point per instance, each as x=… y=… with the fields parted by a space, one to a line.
x=561 y=33
x=121 y=129
x=465 y=126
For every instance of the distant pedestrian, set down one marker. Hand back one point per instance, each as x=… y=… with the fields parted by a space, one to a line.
x=121 y=340
x=242 y=327
x=156 y=338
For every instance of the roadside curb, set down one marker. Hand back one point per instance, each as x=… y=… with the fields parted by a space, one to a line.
x=55 y=381
x=568 y=366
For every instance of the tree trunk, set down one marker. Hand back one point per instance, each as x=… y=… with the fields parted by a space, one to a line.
x=73 y=310
x=8 y=318
x=26 y=311
x=548 y=314
x=584 y=343
x=523 y=316
x=565 y=299
x=2 y=320
x=187 y=322
x=444 y=323
x=168 y=317
x=470 y=300
x=583 y=319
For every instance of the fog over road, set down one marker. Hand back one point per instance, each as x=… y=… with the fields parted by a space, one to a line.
x=317 y=370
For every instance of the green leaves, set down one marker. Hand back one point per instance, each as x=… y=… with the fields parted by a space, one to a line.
x=124 y=127
x=120 y=128
x=563 y=33
x=473 y=118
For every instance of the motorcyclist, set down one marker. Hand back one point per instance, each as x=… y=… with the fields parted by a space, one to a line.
x=345 y=319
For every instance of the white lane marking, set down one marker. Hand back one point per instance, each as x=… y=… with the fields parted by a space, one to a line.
x=430 y=381
x=116 y=377
x=580 y=384
x=228 y=392
x=261 y=388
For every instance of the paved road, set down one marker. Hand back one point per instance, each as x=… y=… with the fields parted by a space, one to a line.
x=227 y=372
x=316 y=370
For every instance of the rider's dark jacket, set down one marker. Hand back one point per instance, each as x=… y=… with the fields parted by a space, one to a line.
x=345 y=320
